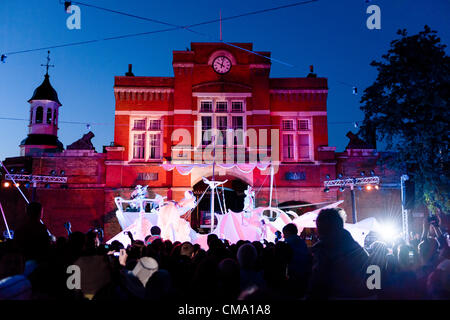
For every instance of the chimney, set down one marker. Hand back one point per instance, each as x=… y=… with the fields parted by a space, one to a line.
x=130 y=72
x=311 y=72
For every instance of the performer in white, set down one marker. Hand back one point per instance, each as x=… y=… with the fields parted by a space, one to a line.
x=158 y=203
x=173 y=227
x=249 y=201
x=138 y=195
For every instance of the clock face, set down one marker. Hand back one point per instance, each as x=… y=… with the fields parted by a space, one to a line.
x=221 y=64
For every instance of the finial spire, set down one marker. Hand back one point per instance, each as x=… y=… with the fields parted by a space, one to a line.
x=220 y=18
x=47 y=65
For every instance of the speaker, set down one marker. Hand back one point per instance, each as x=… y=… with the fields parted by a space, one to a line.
x=410 y=197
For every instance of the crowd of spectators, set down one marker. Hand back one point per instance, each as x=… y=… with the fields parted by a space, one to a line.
x=32 y=266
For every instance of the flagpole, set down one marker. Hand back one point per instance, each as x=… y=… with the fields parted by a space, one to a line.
x=213 y=187
x=220 y=18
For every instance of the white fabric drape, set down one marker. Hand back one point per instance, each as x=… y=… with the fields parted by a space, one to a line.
x=185 y=169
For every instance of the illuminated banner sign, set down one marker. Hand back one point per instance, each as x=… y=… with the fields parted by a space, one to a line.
x=294 y=176
x=148 y=176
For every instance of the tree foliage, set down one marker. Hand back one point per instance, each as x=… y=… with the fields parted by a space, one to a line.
x=407 y=107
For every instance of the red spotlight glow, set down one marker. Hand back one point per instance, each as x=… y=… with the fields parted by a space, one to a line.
x=369 y=187
x=377 y=187
x=6 y=184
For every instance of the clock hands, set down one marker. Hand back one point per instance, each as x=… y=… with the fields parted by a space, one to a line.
x=221 y=65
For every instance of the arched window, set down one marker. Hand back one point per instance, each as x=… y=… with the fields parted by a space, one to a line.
x=54 y=117
x=39 y=114
x=49 y=116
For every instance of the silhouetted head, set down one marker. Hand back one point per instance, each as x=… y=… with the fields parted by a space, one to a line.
x=155 y=231
x=428 y=250
x=290 y=230
x=187 y=249
x=247 y=256
x=211 y=238
x=329 y=222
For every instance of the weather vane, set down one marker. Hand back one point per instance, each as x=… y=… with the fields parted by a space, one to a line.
x=47 y=65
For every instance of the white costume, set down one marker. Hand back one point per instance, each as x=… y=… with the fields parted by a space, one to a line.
x=173 y=227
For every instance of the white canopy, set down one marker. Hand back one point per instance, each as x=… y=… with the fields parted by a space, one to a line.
x=185 y=169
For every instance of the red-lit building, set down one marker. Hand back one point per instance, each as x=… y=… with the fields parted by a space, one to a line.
x=216 y=86
x=162 y=121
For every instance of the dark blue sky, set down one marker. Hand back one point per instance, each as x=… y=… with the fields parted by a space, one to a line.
x=331 y=35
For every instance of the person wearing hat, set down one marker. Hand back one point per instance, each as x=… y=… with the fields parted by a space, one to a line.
x=136 y=279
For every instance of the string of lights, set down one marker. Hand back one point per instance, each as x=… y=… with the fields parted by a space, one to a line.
x=172 y=28
x=162 y=125
x=188 y=28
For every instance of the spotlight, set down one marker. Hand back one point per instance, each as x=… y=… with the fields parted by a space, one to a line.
x=62 y=172
x=362 y=173
x=359 y=188
x=326 y=189
x=340 y=175
x=27 y=185
x=372 y=173
x=17 y=184
x=6 y=184
x=47 y=186
x=53 y=172
x=12 y=170
x=388 y=232
x=328 y=177
x=368 y=187
x=341 y=189
x=377 y=187
x=22 y=170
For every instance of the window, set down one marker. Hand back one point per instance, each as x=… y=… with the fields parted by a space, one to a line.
x=206 y=106
x=296 y=145
x=39 y=114
x=303 y=125
x=236 y=106
x=288 y=146
x=139 y=146
x=288 y=125
x=154 y=124
x=206 y=125
x=54 y=117
x=238 y=130
x=155 y=146
x=139 y=124
x=303 y=146
x=222 y=125
x=221 y=106
x=49 y=116
x=146 y=138
x=215 y=114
